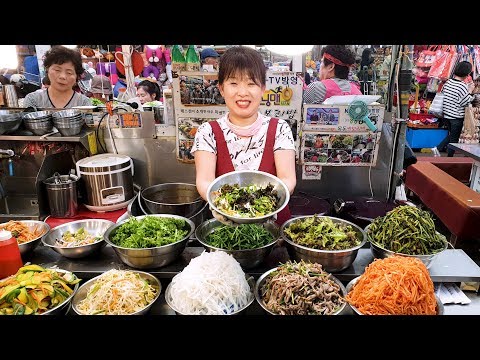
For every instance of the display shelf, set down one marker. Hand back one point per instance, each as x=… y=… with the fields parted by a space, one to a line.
x=54 y=137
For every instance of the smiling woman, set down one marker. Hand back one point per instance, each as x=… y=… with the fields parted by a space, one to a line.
x=64 y=67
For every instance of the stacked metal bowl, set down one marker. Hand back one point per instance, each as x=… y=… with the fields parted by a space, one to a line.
x=9 y=121
x=69 y=122
x=38 y=122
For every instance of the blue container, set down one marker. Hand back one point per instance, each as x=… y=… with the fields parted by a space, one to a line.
x=425 y=138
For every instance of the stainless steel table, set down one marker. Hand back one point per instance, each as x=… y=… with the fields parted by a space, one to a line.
x=473 y=151
x=452 y=265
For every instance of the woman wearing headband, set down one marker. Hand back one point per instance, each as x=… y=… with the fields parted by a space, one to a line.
x=333 y=74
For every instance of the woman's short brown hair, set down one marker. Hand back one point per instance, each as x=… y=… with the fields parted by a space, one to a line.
x=60 y=55
x=242 y=60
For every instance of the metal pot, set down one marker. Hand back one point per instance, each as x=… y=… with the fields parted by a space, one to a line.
x=172 y=198
x=108 y=179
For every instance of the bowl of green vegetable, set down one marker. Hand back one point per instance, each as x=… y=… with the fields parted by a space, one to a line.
x=330 y=241
x=150 y=241
x=248 y=196
x=249 y=244
x=407 y=231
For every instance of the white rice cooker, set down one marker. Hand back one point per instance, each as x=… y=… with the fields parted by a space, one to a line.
x=108 y=180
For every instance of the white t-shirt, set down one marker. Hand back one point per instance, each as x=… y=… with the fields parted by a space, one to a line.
x=246 y=152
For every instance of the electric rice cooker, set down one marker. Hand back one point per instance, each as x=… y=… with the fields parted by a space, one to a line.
x=108 y=180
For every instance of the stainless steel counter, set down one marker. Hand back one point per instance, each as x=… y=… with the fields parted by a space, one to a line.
x=452 y=265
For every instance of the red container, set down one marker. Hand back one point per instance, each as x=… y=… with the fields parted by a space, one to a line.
x=10 y=257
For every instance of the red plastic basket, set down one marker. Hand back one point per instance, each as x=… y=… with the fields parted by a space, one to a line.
x=414 y=116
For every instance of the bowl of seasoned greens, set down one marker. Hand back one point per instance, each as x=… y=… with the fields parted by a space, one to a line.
x=407 y=231
x=78 y=239
x=327 y=240
x=150 y=241
x=249 y=244
x=248 y=196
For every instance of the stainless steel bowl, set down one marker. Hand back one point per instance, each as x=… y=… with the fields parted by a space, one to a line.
x=150 y=258
x=250 y=280
x=244 y=178
x=95 y=227
x=331 y=260
x=382 y=253
x=247 y=258
x=263 y=278
x=67 y=113
x=29 y=246
x=9 y=121
x=172 y=198
x=83 y=290
x=351 y=284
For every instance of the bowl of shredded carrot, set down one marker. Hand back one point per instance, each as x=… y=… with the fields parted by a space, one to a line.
x=395 y=285
x=27 y=232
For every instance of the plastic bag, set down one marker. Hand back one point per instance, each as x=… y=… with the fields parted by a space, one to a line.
x=426 y=57
x=442 y=64
x=436 y=107
x=469 y=133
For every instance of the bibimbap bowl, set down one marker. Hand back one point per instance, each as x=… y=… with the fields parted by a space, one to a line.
x=256 y=195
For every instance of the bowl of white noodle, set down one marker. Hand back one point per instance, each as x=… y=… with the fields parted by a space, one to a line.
x=211 y=284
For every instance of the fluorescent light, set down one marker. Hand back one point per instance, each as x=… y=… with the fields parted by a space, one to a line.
x=153 y=47
x=289 y=50
x=70 y=46
x=8 y=57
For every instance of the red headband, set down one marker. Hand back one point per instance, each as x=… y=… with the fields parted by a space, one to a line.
x=335 y=60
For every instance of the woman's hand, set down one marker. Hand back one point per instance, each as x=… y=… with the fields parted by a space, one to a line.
x=222 y=218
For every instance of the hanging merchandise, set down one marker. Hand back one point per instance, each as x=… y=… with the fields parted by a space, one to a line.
x=426 y=57
x=193 y=62
x=178 y=60
x=443 y=63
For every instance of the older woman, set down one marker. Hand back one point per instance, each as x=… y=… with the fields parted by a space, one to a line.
x=64 y=67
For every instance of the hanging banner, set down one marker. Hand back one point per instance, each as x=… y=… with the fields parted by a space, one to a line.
x=283 y=97
x=331 y=138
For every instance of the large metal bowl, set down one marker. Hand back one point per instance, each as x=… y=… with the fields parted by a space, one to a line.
x=9 y=121
x=263 y=278
x=244 y=178
x=172 y=198
x=382 y=253
x=247 y=258
x=250 y=280
x=29 y=246
x=95 y=227
x=61 y=309
x=150 y=258
x=331 y=260
x=351 y=284
x=83 y=290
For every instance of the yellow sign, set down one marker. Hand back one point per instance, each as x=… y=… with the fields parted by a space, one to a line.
x=277 y=96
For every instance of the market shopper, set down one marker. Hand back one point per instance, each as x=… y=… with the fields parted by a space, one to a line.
x=244 y=139
x=63 y=67
x=101 y=88
x=148 y=91
x=333 y=74
x=457 y=96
